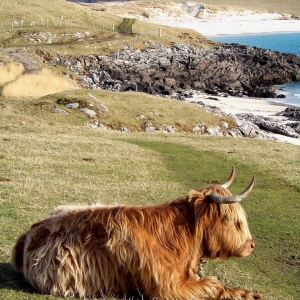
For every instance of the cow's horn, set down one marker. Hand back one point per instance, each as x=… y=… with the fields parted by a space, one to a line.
x=232 y=199
x=230 y=179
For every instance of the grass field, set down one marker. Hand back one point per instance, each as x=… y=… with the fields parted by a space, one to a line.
x=42 y=165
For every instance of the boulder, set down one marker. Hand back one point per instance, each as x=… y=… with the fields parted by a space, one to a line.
x=89 y=112
x=292 y=113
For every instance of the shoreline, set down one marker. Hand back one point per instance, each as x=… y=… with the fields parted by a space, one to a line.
x=235 y=105
x=237 y=25
x=256 y=106
x=212 y=27
x=254 y=33
x=229 y=22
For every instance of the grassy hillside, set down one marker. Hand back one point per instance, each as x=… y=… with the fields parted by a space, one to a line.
x=63 y=26
x=36 y=12
x=123 y=110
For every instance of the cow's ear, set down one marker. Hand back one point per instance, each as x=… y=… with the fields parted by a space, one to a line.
x=194 y=195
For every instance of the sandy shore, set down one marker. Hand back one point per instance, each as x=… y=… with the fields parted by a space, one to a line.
x=235 y=105
x=209 y=23
x=256 y=106
x=211 y=27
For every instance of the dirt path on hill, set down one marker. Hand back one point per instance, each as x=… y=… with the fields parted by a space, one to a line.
x=22 y=55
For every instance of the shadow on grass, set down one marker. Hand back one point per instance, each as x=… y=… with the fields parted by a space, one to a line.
x=11 y=280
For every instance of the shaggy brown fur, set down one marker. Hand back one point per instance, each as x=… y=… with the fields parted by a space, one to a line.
x=151 y=252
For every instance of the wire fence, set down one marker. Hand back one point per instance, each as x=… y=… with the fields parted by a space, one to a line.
x=129 y=27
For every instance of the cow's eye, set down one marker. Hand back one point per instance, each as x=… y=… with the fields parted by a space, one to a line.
x=238 y=225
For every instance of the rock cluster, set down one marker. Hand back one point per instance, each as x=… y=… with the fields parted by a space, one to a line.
x=231 y=68
x=248 y=125
x=290 y=129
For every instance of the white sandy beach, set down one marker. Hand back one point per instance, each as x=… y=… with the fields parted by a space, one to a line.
x=210 y=22
x=218 y=26
x=236 y=105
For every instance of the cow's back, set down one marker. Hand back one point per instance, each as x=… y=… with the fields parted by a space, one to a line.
x=66 y=254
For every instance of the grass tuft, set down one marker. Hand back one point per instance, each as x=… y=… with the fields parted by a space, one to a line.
x=10 y=71
x=37 y=85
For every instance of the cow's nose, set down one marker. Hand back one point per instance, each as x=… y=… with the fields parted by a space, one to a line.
x=252 y=245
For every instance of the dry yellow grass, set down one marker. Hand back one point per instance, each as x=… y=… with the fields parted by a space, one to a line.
x=37 y=85
x=10 y=71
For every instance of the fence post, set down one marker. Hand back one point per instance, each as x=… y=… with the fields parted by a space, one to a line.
x=12 y=24
x=102 y=26
x=159 y=32
x=113 y=27
x=47 y=23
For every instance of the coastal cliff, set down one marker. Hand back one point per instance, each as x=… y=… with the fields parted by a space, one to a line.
x=230 y=68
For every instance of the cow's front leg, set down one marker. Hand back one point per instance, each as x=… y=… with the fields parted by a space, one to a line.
x=209 y=288
x=237 y=294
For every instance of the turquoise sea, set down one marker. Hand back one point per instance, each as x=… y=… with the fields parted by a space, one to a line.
x=282 y=42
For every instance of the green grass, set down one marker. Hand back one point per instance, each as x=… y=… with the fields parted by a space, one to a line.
x=127 y=25
x=123 y=110
x=46 y=168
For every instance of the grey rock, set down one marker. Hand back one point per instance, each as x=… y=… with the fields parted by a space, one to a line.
x=123 y=129
x=248 y=129
x=170 y=129
x=214 y=130
x=141 y=117
x=292 y=113
x=235 y=132
x=72 y=105
x=224 y=124
x=96 y=125
x=89 y=112
x=59 y=110
x=150 y=129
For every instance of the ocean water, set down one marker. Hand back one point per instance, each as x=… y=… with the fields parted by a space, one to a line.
x=282 y=42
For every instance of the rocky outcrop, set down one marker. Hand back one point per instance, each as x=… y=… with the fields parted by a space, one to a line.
x=233 y=69
x=290 y=129
x=292 y=113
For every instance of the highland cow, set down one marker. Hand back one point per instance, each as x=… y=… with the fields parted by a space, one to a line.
x=148 y=252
